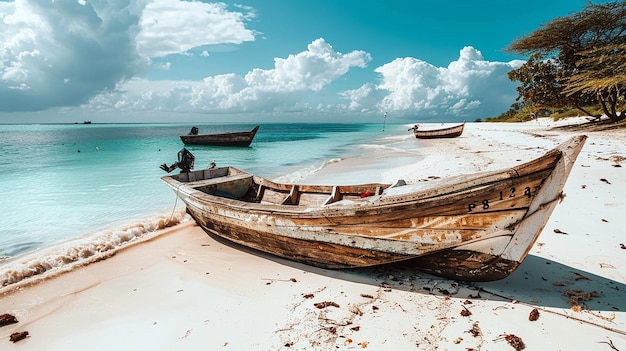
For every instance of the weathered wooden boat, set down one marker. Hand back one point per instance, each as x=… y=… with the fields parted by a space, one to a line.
x=473 y=227
x=448 y=132
x=222 y=139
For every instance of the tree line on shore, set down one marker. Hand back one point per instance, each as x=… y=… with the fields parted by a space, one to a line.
x=577 y=64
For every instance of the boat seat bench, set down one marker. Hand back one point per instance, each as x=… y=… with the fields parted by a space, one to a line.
x=217 y=180
x=315 y=195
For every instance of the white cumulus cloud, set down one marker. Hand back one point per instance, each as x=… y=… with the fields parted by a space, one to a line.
x=91 y=55
x=173 y=27
x=280 y=88
x=61 y=53
x=65 y=52
x=469 y=86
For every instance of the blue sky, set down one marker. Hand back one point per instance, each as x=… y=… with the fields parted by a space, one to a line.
x=262 y=60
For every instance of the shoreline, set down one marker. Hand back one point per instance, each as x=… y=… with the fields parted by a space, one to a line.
x=184 y=289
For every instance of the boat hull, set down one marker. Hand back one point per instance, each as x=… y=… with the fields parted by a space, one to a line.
x=473 y=228
x=450 y=132
x=241 y=139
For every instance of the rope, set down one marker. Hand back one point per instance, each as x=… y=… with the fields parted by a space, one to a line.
x=175 y=204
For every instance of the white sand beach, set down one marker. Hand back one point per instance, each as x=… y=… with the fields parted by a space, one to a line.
x=181 y=289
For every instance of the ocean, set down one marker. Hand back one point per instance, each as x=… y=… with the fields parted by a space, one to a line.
x=71 y=192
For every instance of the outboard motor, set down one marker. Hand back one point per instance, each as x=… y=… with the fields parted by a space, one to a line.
x=194 y=131
x=185 y=162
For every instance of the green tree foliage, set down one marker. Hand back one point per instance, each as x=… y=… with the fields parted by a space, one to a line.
x=575 y=60
x=541 y=81
x=602 y=72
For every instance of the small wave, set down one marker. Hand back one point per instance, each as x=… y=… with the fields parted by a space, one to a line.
x=12 y=250
x=332 y=160
x=382 y=148
x=82 y=251
x=303 y=173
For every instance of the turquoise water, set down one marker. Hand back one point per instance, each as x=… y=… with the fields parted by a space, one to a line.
x=61 y=182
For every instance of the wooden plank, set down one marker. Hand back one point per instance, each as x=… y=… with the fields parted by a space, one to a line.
x=292 y=198
x=334 y=196
x=217 y=180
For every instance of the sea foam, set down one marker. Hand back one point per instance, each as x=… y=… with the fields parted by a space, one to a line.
x=84 y=250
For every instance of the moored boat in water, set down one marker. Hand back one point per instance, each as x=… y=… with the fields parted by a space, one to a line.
x=221 y=139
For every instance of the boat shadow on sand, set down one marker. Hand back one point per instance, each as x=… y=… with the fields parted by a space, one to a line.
x=538 y=281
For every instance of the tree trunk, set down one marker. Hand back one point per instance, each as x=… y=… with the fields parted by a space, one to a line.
x=584 y=111
x=613 y=115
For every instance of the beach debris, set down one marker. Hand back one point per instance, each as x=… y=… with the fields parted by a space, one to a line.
x=325 y=304
x=617 y=159
x=308 y=296
x=187 y=333
x=605 y=220
x=515 y=341
x=475 y=330
x=598 y=315
x=331 y=330
x=578 y=297
x=534 y=315
x=356 y=310
x=357 y=328
x=368 y=296
x=580 y=276
x=465 y=312
x=17 y=336
x=610 y=343
x=604 y=180
x=558 y=231
x=457 y=340
x=270 y=281
x=622 y=246
x=607 y=265
x=7 y=319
